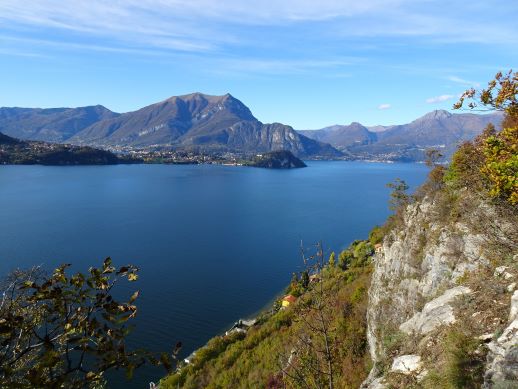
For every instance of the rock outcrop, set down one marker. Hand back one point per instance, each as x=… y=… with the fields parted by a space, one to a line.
x=503 y=355
x=406 y=364
x=281 y=159
x=435 y=313
x=425 y=278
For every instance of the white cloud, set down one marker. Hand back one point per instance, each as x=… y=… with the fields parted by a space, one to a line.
x=384 y=106
x=20 y=42
x=439 y=99
x=285 y=66
x=59 y=13
x=148 y=25
x=18 y=53
x=462 y=81
x=210 y=25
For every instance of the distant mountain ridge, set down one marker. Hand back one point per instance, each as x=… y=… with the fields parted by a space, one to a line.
x=343 y=136
x=194 y=121
x=51 y=124
x=407 y=142
x=206 y=123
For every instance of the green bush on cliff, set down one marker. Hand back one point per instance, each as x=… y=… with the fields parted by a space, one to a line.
x=464 y=363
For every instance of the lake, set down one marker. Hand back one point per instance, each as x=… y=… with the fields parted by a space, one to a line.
x=214 y=243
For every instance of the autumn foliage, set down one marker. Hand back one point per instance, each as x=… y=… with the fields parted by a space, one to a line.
x=64 y=330
x=491 y=161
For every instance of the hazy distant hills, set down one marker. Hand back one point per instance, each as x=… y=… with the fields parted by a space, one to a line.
x=195 y=121
x=342 y=137
x=438 y=129
x=50 y=125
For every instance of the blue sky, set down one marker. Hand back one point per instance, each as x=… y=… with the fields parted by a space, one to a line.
x=304 y=63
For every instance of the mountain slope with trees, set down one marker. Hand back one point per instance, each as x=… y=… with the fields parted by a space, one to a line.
x=277 y=160
x=18 y=152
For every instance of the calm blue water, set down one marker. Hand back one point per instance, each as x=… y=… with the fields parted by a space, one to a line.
x=214 y=243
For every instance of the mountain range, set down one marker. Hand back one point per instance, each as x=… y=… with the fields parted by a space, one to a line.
x=407 y=142
x=195 y=121
x=205 y=123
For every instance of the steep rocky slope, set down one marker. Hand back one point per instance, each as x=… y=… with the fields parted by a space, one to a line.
x=444 y=294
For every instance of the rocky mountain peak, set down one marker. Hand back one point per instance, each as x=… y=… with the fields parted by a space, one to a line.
x=437 y=115
x=357 y=126
x=195 y=121
x=199 y=104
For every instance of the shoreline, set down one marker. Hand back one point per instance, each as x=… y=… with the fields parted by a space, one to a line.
x=267 y=309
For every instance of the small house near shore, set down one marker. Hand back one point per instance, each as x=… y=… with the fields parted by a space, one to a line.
x=287 y=300
x=241 y=326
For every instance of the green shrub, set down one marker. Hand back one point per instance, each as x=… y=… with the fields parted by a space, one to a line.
x=464 y=364
x=376 y=235
x=358 y=294
x=501 y=164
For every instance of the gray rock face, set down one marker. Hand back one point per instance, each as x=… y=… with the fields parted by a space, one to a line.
x=406 y=364
x=418 y=264
x=377 y=383
x=503 y=356
x=416 y=281
x=435 y=313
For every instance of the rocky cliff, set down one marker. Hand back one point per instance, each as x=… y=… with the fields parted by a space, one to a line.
x=443 y=301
